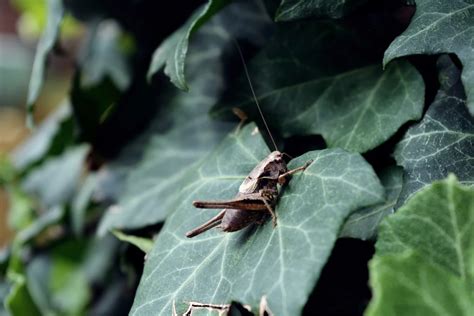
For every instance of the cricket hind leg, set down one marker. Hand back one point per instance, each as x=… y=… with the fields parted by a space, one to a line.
x=213 y=222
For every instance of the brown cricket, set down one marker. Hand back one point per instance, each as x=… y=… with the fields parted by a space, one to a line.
x=257 y=194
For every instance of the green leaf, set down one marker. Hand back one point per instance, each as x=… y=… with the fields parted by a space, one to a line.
x=56 y=180
x=45 y=45
x=436 y=223
x=19 y=301
x=363 y=223
x=50 y=217
x=440 y=27
x=144 y=244
x=50 y=139
x=443 y=141
x=173 y=51
x=80 y=203
x=290 y=10
x=406 y=284
x=176 y=139
x=103 y=57
x=303 y=90
x=282 y=263
x=21 y=211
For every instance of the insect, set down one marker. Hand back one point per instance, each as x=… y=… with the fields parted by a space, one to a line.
x=257 y=194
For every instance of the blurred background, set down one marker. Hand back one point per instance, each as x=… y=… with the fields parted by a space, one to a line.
x=21 y=23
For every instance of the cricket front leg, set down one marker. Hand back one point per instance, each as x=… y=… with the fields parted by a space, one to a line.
x=213 y=222
x=282 y=177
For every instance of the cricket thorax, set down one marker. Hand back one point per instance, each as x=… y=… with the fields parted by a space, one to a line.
x=265 y=174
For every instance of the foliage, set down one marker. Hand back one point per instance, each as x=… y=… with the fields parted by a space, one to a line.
x=101 y=195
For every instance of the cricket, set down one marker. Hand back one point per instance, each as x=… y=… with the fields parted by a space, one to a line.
x=258 y=193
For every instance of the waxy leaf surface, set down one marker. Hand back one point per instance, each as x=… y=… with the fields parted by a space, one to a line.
x=363 y=223
x=300 y=9
x=440 y=27
x=282 y=263
x=443 y=141
x=172 y=53
x=438 y=224
x=352 y=102
x=406 y=284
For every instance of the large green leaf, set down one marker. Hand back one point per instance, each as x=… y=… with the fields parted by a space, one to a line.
x=182 y=132
x=45 y=45
x=440 y=27
x=406 y=284
x=173 y=51
x=299 y=9
x=443 y=141
x=363 y=223
x=303 y=90
x=282 y=263
x=437 y=223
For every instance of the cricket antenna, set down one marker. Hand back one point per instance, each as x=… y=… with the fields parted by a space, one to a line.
x=253 y=92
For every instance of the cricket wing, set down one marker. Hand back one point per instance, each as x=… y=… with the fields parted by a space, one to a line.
x=249 y=203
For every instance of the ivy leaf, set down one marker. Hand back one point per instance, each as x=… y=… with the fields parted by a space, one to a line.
x=282 y=263
x=290 y=10
x=405 y=284
x=62 y=174
x=176 y=139
x=440 y=27
x=303 y=90
x=363 y=223
x=173 y=51
x=45 y=45
x=443 y=141
x=436 y=223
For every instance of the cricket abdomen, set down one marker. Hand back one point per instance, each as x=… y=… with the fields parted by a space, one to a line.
x=235 y=219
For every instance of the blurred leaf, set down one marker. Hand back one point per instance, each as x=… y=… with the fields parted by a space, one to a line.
x=44 y=221
x=102 y=56
x=171 y=54
x=33 y=19
x=443 y=141
x=363 y=223
x=303 y=90
x=56 y=180
x=176 y=139
x=69 y=289
x=20 y=212
x=282 y=263
x=45 y=45
x=440 y=27
x=437 y=224
x=300 y=9
x=406 y=284
x=50 y=139
x=81 y=202
x=144 y=244
x=19 y=302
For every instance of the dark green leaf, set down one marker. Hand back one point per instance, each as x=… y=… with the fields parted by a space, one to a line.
x=300 y=9
x=303 y=90
x=363 y=223
x=45 y=45
x=442 y=142
x=440 y=27
x=282 y=263
x=406 y=284
x=19 y=301
x=49 y=218
x=81 y=202
x=173 y=51
x=436 y=223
